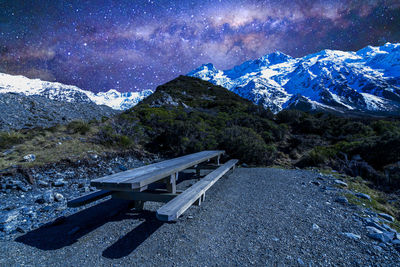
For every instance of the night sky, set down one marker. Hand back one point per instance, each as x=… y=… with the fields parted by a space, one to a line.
x=135 y=45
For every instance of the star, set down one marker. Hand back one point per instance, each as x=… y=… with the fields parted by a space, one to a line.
x=137 y=45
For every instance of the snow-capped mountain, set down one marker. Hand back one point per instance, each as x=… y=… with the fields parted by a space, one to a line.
x=367 y=80
x=69 y=93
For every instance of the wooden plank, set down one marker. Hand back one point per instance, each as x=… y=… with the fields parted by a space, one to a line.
x=88 y=198
x=173 y=209
x=137 y=172
x=140 y=177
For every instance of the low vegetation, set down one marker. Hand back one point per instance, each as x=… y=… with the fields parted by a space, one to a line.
x=188 y=115
x=198 y=116
x=379 y=202
x=64 y=142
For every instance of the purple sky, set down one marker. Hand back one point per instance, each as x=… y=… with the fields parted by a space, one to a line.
x=135 y=45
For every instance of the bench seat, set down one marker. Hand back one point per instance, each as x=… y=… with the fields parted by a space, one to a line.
x=174 y=208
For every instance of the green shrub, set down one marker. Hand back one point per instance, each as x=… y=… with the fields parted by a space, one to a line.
x=381 y=127
x=246 y=145
x=290 y=116
x=104 y=119
x=80 y=127
x=318 y=156
x=9 y=139
x=125 y=141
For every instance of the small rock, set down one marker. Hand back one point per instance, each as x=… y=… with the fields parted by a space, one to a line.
x=61 y=208
x=46 y=209
x=48 y=196
x=42 y=183
x=58 y=197
x=8 y=227
x=122 y=167
x=386 y=217
x=329 y=188
x=21 y=186
x=352 y=236
x=8 y=216
x=373 y=230
x=315 y=226
x=30 y=158
x=59 y=183
x=190 y=217
x=340 y=182
x=244 y=165
x=388 y=228
x=316 y=183
x=275 y=239
x=300 y=261
x=376 y=226
x=362 y=195
x=377 y=249
x=378 y=235
x=383 y=245
x=342 y=200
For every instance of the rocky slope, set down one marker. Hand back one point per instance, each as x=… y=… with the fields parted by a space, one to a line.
x=20 y=111
x=364 y=81
x=69 y=93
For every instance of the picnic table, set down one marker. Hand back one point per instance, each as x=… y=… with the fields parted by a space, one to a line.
x=135 y=184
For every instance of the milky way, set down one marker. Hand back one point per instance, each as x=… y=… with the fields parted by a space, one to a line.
x=135 y=45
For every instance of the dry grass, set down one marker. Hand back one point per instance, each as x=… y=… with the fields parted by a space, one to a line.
x=53 y=145
x=379 y=200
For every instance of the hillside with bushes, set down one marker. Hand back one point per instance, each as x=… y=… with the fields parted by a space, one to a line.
x=187 y=115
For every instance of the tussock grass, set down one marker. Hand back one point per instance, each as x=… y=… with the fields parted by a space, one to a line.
x=73 y=141
x=379 y=200
x=9 y=139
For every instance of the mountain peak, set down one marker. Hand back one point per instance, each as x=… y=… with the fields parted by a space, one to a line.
x=68 y=93
x=363 y=81
x=275 y=58
x=206 y=67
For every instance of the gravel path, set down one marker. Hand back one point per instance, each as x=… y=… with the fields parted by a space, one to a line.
x=250 y=217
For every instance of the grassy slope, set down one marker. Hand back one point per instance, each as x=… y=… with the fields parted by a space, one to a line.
x=74 y=141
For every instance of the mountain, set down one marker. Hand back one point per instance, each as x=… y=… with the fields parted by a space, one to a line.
x=365 y=81
x=22 y=111
x=69 y=93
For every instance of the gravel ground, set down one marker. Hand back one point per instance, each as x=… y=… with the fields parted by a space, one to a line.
x=260 y=216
